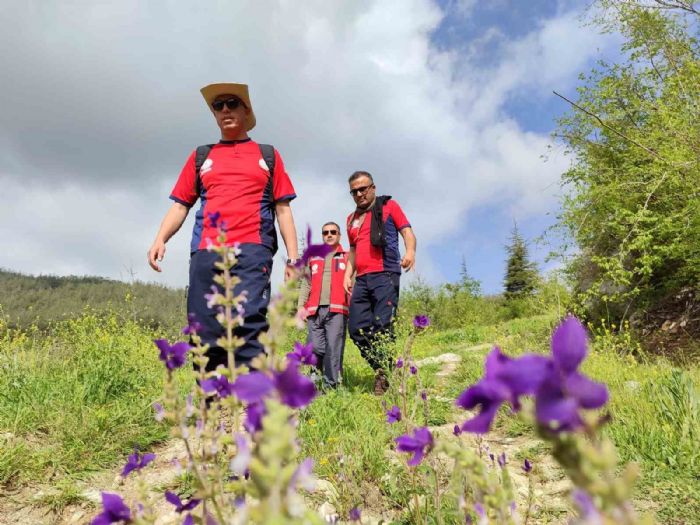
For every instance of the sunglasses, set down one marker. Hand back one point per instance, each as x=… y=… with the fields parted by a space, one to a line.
x=231 y=103
x=330 y=232
x=360 y=190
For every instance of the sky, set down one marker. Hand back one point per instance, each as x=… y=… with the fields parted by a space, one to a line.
x=448 y=104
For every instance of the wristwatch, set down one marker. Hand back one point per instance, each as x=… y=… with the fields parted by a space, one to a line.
x=292 y=262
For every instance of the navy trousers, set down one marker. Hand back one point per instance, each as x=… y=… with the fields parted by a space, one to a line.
x=373 y=304
x=253 y=269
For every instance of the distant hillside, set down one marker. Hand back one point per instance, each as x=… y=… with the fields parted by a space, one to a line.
x=26 y=299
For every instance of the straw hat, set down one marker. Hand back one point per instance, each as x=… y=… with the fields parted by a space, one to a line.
x=212 y=91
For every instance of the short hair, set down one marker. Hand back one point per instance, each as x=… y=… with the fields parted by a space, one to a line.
x=334 y=224
x=359 y=174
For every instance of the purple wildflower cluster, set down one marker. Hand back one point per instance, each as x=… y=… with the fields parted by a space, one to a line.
x=560 y=390
x=136 y=462
x=421 y=322
x=418 y=444
x=114 y=510
x=303 y=354
x=173 y=356
x=293 y=389
x=312 y=250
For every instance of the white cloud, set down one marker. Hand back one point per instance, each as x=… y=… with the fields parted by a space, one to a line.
x=103 y=108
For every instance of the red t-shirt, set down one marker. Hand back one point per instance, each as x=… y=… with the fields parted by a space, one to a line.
x=235 y=182
x=368 y=258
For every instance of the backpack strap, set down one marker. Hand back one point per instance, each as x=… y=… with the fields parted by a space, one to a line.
x=268 y=155
x=199 y=157
x=266 y=150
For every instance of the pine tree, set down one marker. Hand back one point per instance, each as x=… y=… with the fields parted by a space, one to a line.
x=467 y=282
x=521 y=274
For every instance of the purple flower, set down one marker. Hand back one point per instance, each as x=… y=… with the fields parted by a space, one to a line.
x=457 y=430
x=160 y=412
x=192 y=325
x=393 y=415
x=564 y=390
x=354 y=514
x=295 y=389
x=136 y=462
x=418 y=444
x=589 y=512
x=302 y=477
x=506 y=379
x=252 y=387
x=180 y=507
x=313 y=250
x=399 y=363
x=212 y=297
x=303 y=353
x=423 y=395
x=421 y=322
x=214 y=218
x=254 y=415
x=239 y=464
x=173 y=356
x=219 y=385
x=413 y=369
x=502 y=460
x=527 y=466
x=113 y=510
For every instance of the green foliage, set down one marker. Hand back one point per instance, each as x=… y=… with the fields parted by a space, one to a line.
x=77 y=399
x=27 y=300
x=521 y=274
x=631 y=195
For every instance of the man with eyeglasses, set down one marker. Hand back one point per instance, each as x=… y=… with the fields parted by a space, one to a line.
x=323 y=302
x=374 y=264
x=241 y=193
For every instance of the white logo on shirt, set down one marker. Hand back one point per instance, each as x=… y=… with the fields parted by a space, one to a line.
x=314 y=268
x=356 y=223
x=341 y=266
x=263 y=165
x=206 y=166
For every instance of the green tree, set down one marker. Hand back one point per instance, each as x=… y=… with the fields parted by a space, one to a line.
x=521 y=275
x=631 y=195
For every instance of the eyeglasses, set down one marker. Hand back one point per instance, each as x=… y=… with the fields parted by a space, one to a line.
x=360 y=190
x=231 y=103
x=330 y=232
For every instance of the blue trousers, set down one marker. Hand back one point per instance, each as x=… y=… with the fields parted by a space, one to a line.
x=253 y=269
x=375 y=298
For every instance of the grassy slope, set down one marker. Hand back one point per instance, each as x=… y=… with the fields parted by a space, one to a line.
x=79 y=400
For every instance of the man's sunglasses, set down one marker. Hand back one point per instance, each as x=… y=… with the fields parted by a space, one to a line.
x=330 y=232
x=231 y=103
x=360 y=190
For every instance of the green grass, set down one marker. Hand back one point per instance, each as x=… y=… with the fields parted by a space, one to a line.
x=77 y=400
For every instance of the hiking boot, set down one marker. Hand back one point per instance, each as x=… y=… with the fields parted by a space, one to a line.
x=381 y=383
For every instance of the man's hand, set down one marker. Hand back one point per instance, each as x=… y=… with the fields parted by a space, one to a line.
x=289 y=272
x=347 y=284
x=408 y=261
x=156 y=254
x=302 y=313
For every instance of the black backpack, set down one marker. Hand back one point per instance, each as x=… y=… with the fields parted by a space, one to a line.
x=267 y=152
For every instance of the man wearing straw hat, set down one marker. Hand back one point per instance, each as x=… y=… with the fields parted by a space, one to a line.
x=244 y=186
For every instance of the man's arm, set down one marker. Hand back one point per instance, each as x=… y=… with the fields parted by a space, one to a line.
x=172 y=221
x=289 y=234
x=409 y=241
x=349 y=271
